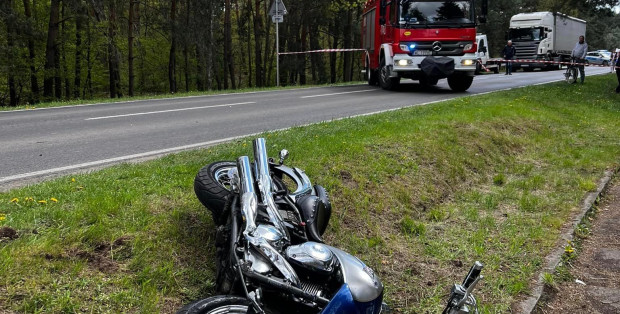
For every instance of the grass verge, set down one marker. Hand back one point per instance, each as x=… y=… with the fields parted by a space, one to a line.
x=418 y=194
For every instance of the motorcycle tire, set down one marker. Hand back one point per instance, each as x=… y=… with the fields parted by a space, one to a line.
x=218 y=304
x=212 y=188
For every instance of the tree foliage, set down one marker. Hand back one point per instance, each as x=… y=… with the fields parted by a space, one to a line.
x=67 y=49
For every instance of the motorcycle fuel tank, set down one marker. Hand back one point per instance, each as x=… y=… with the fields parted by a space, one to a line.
x=364 y=284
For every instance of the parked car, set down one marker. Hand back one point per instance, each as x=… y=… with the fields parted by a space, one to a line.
x=597 y=57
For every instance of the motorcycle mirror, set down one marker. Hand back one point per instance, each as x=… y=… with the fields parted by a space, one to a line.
x=283 y=155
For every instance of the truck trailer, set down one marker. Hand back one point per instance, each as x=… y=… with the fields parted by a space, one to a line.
x=545 y=36
x=420 y=40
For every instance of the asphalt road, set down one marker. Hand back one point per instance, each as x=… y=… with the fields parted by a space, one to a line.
x=36 y=144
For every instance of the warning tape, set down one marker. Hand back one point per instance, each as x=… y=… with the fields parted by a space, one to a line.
x=322 y=50
x=497 y=60
x=549 y=62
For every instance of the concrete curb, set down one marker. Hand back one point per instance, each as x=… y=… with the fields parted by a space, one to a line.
x=553 y=259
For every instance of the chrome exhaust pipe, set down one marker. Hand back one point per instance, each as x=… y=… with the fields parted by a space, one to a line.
x=265 y=185
x=249 y=203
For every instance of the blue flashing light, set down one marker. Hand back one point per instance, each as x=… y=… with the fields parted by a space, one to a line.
x=412 y=46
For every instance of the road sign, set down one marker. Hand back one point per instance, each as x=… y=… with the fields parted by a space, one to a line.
x=281 y=9
x=277 y=18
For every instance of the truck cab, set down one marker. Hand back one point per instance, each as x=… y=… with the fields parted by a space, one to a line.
x=420 y=40
x=544 y=36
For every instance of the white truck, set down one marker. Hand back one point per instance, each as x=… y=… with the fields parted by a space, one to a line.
x=483 y=56
x=544 y=36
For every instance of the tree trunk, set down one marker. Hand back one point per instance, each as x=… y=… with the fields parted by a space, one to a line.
x=304 y=47
x=63 y=53
x=347 y=66
x=173 y=46
x=258 y=35
x=130 y=39
x=10 y=28
x=186 y=46
x=34 y=83
x=228 y=54
x=209 y=40
x=332 y=57
x=50 y=50
x=113 y=58
x=77 y=80
x=89 y=63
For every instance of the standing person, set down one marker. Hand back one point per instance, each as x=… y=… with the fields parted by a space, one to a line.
x=579 y=53
x=509 y=52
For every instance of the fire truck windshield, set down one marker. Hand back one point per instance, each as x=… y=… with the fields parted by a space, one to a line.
x=415 y=14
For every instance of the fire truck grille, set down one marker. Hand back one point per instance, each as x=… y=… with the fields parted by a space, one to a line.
x=448 y=48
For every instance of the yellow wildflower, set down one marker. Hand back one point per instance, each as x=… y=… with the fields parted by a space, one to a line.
x=29 y=199
x=72 y=179
x=2 y=217
x=42 y=202
x=15 y=200
x=54 y=200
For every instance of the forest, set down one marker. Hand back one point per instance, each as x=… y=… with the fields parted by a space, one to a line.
x=58 y=50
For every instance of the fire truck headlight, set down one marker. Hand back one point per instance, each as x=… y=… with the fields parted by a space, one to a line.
x=404 y=47
x=403 y=62
x=467 y=62
x=468 y=47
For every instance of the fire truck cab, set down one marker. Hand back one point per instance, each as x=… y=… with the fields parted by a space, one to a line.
x=420 y=40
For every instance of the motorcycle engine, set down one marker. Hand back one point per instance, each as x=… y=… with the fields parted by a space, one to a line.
x=312 y=256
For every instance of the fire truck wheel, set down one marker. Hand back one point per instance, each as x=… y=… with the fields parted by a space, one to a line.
x=371 y=76
x=460 y=83
x=387 y=82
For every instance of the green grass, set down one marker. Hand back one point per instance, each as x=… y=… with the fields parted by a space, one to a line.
x=105 y=100
x=418 y=194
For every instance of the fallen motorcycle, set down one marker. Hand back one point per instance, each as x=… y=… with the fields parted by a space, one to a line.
x=271 y=257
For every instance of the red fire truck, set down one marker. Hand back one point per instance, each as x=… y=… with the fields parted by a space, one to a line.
x=420 y=40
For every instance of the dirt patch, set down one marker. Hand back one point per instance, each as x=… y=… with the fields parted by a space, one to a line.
x=101 y=256
x=348 y=180
x=597 y=267
x=8 y=233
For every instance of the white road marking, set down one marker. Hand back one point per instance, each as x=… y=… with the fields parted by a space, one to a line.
x=332 y=94
x=176 y=98
x=116 y=159
x=171 y=110
x=224 y=140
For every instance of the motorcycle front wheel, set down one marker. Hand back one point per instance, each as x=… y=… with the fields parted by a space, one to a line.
x=212 y=186
x=218 y=304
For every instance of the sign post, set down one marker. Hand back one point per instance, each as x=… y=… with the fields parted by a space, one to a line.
x=277 y=12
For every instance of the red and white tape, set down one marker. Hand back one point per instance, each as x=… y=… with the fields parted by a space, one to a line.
x=498 y=60
x=321 y=50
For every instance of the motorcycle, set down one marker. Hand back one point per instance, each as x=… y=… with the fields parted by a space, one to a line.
x=271 y=257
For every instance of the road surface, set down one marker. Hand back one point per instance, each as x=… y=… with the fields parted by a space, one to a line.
x=35 y=144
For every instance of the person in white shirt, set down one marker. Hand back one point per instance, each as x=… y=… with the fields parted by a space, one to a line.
x=579 y=53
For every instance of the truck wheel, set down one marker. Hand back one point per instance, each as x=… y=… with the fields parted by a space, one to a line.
x=387 y=82
x=371 y=76
x=460 y=82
